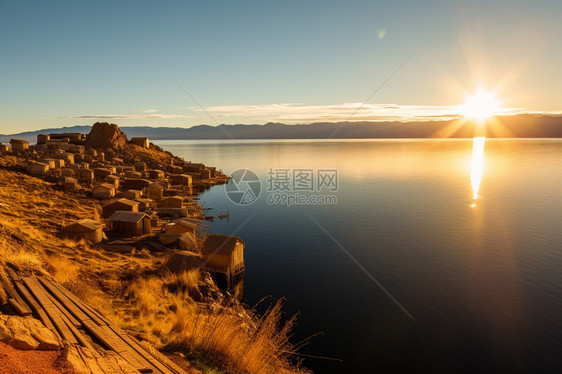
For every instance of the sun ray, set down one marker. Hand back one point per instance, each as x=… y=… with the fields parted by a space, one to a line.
x=480 y=106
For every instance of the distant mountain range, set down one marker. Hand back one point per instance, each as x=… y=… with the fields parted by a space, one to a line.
x=515 y=126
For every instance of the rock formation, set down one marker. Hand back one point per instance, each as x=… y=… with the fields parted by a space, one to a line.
x=26 y=333
x=106 y=136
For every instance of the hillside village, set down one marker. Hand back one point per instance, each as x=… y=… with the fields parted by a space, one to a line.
x=142 y=255
x=142 y=196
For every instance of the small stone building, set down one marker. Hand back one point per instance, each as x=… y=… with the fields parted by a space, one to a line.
x=100 y=173
x=143 y=204
x=85 y=175
x=174 y=169
x=86 y=229
x=112 y=179
x=155 y=191
x=181 y=226
x=193 y=167
x=205 y=174
x=125 y=205
x=42 y=138
x=67 y=172
x=70 y=184
x=129 y=194
x=156 y=174
x=103 y=191
x=171 y=202
x=182 y=179
x=134 y=183
x=130 y=223
x=49 y=161
x=172 y=213
x=19 y=144
x=223 y=253
x=141 y=142
x=132 y=174
x=38 y=168
x=183 y=261
x=212 y=171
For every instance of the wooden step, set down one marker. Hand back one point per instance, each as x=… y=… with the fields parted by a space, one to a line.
x=39 y=311
x=14 y=298
x=52 y=311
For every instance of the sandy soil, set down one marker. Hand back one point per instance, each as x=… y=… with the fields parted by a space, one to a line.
x=13 y=361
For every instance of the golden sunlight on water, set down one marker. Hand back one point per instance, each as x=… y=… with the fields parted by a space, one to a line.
x=477 y=167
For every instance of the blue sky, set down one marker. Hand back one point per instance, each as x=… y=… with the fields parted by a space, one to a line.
x=67 y=63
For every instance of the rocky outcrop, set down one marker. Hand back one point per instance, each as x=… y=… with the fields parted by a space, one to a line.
x=27 y=333
x=87 y=361
x=106 y=136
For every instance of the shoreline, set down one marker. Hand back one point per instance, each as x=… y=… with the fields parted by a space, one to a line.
x=92 y=261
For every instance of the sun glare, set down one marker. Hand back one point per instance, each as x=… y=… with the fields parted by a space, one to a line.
x=480 y=106
x=477 y=167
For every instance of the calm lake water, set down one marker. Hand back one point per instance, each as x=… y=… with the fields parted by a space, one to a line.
x=465 y=237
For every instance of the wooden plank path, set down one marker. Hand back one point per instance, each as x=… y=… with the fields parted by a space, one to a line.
x=39 y=311
x=52 y=311
x=111 y=335
x=100 y=329
x=80 y=324
x=14 y=299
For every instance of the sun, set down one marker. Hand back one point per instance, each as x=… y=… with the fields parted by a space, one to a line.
x=480 y=106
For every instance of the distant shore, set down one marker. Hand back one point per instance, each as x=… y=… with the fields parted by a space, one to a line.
x=513 y=126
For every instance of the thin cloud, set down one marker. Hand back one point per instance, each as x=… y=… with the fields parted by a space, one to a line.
x=300 y=113
x=295 y=113
x=126 y=116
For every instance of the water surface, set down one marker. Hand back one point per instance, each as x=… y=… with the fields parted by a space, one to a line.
x=465 y=235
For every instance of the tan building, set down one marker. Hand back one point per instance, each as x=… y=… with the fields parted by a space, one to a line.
x=70 y=184
x=67 y=172
x=103 y=191
x=181 y=226
x=112 y=179
x=38 y=168
x=100 y=173
x=131 y=223
x=205 y=174
x=86 y=229
x=171 y=202
x=141 y=142
x=193 y=167
x=85 y=175
x=155 y=191
x=129 y=194
x=42 y=138
x=125 y=205
x=183 y=261
x=223 y=253
x=182 y=179
x=156 y=174
x=19 y=144
x=134 y=183
x=143 y=204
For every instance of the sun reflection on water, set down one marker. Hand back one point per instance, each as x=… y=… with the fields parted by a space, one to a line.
x=477 y=167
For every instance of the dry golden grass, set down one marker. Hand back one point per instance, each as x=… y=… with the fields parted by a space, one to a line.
x=222 y=333
x=241 y=342
x=220 y=336
x=64 y=271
